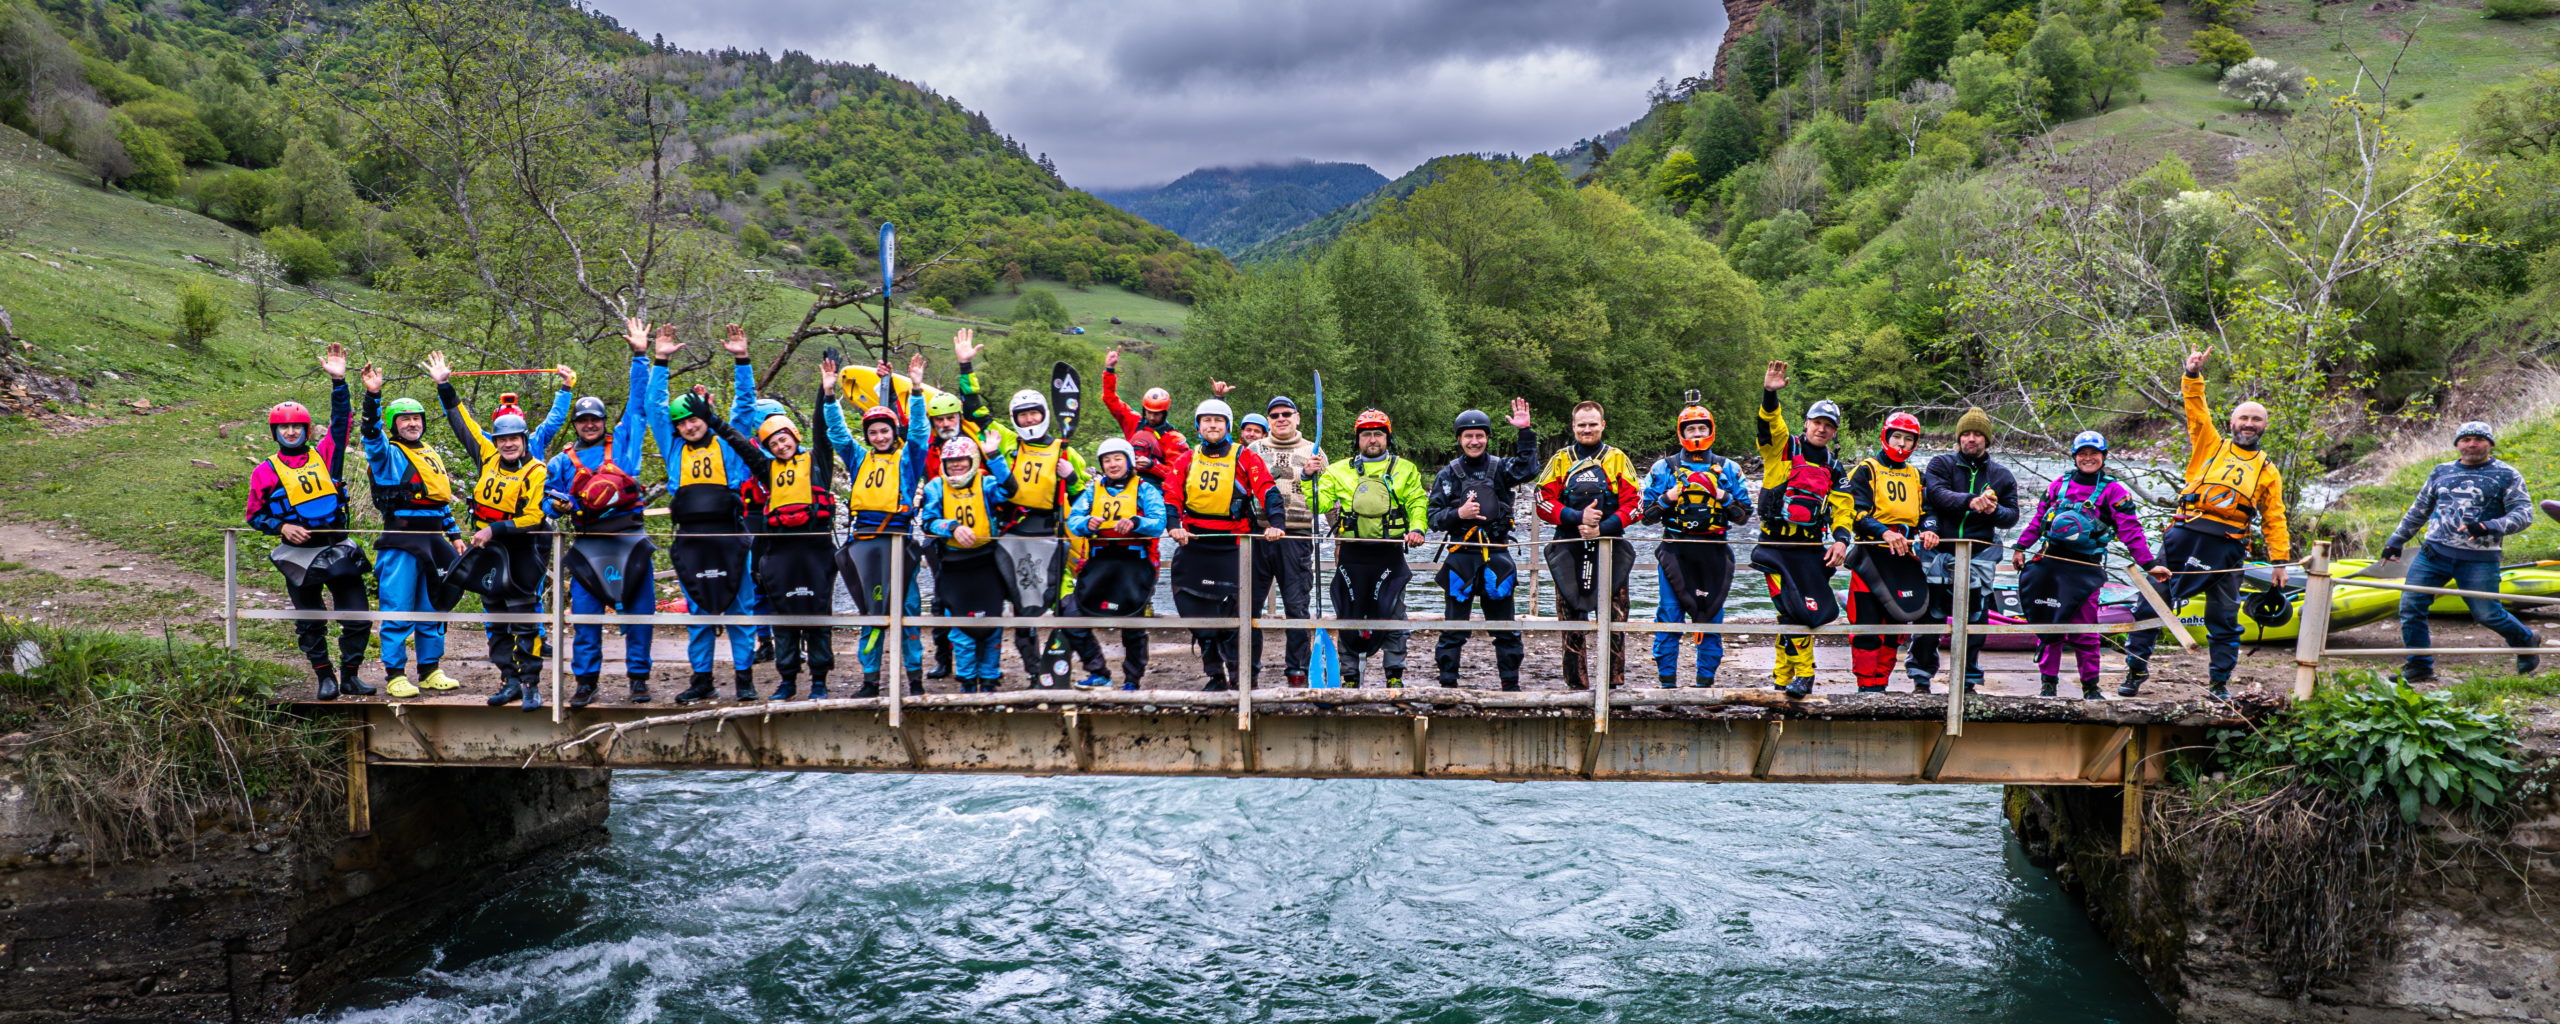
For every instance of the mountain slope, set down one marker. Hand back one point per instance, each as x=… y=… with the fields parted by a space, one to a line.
x=1234 y=208
x=1315 y=233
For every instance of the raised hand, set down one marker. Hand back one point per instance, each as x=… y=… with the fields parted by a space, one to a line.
x=702 y=391
x=333 y=361
x=372 y=377
x=568 y=377
x=915 y=368
x=964 y=345
x=668 y=346
x=735 y=343
x=1220 y=388
x=635 y=333
x=1111 y=360
x=1776 y=377
x=2196 y=359
x=827 y=377
x=437 y=369
x=1519 y=414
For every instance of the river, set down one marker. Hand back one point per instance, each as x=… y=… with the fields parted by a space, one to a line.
x=787 y=898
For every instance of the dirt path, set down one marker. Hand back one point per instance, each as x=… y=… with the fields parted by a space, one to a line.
x=71 y=554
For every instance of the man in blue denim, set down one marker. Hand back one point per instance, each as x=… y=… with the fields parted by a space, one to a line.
x=2467 y=507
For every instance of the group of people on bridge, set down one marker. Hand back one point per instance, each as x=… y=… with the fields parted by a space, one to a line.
x=1002 y=512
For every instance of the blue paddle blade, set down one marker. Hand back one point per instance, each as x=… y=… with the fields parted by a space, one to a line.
x=1324 y=669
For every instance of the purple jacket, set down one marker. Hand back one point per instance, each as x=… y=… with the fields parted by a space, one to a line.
x=2114 y=499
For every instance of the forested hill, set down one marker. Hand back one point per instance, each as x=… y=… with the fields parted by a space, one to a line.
x=237 y=108
x=1313 y=234
x=1233 y=208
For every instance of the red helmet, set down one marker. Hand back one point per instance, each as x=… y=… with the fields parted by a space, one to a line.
x=1372 y=419
x=507 y=406
x=1903 y=422
x=288 y=413
x=1695 y=414
x=1156 y=400
x=878 y=412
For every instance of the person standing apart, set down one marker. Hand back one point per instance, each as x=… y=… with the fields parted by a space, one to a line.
x=2467 y=508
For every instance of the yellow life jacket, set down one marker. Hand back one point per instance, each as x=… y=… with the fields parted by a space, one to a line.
x=967 y=505
x=305 y=483
x=875 y=482
x=791 y=483
x=428 y=482
x=2226 y=490
x=703 y=463
x=1209 y=485
x=1035 y=475
x=503 y=493
x=1112 y=508
x=1896 y=493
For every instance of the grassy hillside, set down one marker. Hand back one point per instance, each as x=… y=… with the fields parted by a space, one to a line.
x=1233 y=208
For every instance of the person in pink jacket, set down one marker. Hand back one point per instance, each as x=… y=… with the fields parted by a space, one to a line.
x=2082 y=512
x=298 y=495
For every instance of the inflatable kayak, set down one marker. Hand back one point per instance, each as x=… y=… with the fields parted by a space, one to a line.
x=862 y=388
x=2117 y=603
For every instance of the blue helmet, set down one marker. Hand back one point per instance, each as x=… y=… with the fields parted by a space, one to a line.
x=1255 y=419
x=767 y=408
x=2089 y=439
x=509 y=425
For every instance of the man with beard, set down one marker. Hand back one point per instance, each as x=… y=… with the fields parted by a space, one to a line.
x=1805 y=514
x=1696 y=496
x=1289 y=563
x=595 y=485
x=1971 y=497
x=419 y=540
x=2231 y=485
x=1378 y=505
x=1471 y=506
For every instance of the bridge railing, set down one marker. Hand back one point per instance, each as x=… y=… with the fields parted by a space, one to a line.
x=2311 y=646
x=1602 y=629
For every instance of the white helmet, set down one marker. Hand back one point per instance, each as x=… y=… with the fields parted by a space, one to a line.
x=1213 y=407
x=1119 y=446
x=1029 y=399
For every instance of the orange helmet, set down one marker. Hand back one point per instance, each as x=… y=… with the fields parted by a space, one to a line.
x=1373 y=419
x=1694 y=414
x=1156 y=400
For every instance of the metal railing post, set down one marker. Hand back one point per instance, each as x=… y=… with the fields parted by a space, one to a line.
x=231 y=588
x=560 y=643
x=1604 y=589
x=893 y=648
x=1959 y=617
x=1246 y=663
x=2312 y=644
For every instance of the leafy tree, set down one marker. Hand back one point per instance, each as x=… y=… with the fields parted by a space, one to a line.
x=2119 y=56
x=1777 y=248
x=241 y=197
x=2221 y=47
x=830 y=252
x=199 y=314
x=1720 y=136
x=2262 y=82
x=304 y=257
x=312 y=191
x=194 y=143
x=2060 y=54
x=2520 y=119
x=155 y=170
x=1928 y=41
x=1078 y=275
x=243 y=120
x=2006 y=34
x=755 y=241
x=1678 y=179
x=1394 y=325
x=1040 y=307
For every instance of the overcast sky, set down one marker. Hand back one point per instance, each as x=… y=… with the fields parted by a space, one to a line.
x=1133 y=92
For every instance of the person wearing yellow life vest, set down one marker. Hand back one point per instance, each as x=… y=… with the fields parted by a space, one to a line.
x=2230 y=486
x=1031 y=539
x=1378 y=506
x=887 y=463
x=793 y=520
x=1121 y=515
x=958 y=512
x=1886 y=584
x=707 y=483
x=1590 y=493
x=1805 y=516
x=419 y=542
x=299 y=495
x=509 y=560
x=1220 y=490
x=963 y=414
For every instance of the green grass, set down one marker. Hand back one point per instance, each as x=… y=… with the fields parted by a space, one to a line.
x=1092 y=308
x=2458 y=56
x=2364 y=517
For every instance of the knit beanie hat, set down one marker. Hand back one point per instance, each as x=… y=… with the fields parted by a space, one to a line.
x=1974 y=420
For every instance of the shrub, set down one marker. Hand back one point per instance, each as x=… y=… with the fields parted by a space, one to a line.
x=1040 y=307
x=2520 y=8
x=304 y=256
x=2220 y=47
x=199 y=313
x=2263 y=82
x=2376 y=738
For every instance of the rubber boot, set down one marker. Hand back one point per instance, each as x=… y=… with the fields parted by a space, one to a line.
x=1704 y=682
x=640 y=689
x=505 y=693
x=1395 y=682
x=351 y=680
x=532 y=698
x=1802 y=686
x=1511 y=684
x=781 y=691
x=817 y=688
x=2047 y=685
x=1670 y=682
x=1218 y=684
x=2219 y=690
x=2133 y=684
x=585 y=694
x=870 y=685
x=328 y=687
x=700 y=689
x=746 y=683
x=2527 y=664
x=764 y=648
x=1298 y=680
x=2089 y=690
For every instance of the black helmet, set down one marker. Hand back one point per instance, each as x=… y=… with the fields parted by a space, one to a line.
x=585 y=407
x=1473 y=419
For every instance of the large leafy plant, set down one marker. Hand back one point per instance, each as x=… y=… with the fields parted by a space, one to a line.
x=2374 y=737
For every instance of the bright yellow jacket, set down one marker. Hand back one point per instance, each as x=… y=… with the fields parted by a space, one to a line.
x=1774 y=443
x=2227 y=485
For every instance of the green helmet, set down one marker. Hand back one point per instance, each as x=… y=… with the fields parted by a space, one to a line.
x=941 y=405
x=686 y=406
x=404 y=407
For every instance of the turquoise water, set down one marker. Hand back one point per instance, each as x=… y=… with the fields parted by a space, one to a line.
x=789 y=898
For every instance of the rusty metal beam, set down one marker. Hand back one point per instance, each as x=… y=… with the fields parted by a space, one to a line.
x=1205 y=742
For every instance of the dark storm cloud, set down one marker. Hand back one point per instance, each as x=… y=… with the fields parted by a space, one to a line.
x=1132 y=91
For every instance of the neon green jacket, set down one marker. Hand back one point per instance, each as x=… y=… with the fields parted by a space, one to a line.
x=1411 y=511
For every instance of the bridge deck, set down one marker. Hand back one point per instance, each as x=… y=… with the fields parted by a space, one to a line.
x=1692 y=735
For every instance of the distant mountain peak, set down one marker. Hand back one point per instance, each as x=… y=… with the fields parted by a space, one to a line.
x=1235 y=208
